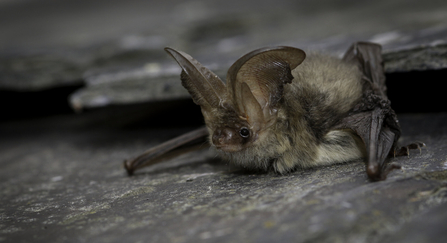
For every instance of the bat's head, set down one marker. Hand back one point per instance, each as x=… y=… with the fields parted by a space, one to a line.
x=239 y=114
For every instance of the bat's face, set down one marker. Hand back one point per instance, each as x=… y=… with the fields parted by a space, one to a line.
x=230 y=132
x=232 y=138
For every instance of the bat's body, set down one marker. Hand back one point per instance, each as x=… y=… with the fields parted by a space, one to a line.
x=282 y=110
x=323 y=90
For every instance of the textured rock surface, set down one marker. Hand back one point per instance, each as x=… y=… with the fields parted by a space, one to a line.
x=62 y=180
x=420 y=58
x=116 y=48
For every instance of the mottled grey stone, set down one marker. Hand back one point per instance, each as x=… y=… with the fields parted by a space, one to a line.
x=122 y=43
x=62 y=180
x=419 y=58
x=37 y=71
x=430 y=218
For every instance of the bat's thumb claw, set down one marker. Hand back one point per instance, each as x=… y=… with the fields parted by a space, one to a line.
x=373 y=172
x=376 y=173
x=128 y=167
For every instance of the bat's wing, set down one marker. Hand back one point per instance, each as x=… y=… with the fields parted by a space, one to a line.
x=373 y=119
x=169 y=149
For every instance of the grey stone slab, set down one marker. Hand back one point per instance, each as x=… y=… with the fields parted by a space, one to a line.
x=419 y=58
x=50 y=44
x=420 y=50
x=431 y=218
x=62 y=179
x=155 y=82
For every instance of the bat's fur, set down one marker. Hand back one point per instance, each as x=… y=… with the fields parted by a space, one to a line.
x=323 y=91
x=282 y=110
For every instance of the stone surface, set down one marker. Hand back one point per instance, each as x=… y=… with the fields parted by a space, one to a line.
x=116 y=48
x=62 y=180
x=420 y=58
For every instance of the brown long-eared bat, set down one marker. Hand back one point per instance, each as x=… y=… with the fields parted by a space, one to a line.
x=280 y=110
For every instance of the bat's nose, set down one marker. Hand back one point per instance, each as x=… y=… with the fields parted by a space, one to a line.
x=223 y=136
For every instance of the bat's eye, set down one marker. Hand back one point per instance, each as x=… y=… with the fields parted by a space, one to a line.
x=244 y=132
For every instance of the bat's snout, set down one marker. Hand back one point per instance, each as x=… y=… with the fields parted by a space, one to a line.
x=223 y=136
x=226 y=139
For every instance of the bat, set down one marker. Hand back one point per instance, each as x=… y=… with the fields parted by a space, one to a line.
x=281 y=110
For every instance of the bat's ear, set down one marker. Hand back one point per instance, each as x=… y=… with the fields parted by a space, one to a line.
x=205 y=87
x=259 y=77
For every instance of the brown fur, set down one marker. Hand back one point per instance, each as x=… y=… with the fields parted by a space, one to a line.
x=323 y=90
x=288 y=110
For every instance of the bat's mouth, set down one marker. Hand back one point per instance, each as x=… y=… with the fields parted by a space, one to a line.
x=228 y=148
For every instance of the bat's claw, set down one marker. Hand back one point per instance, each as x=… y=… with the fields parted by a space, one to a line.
x=376 y=173
x=405 y=150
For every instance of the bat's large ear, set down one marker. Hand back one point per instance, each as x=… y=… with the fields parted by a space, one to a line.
x=256 y=81
x=205 y=87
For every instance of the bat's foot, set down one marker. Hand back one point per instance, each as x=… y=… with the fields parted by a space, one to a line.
x=405 y=150
x=390 y=167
